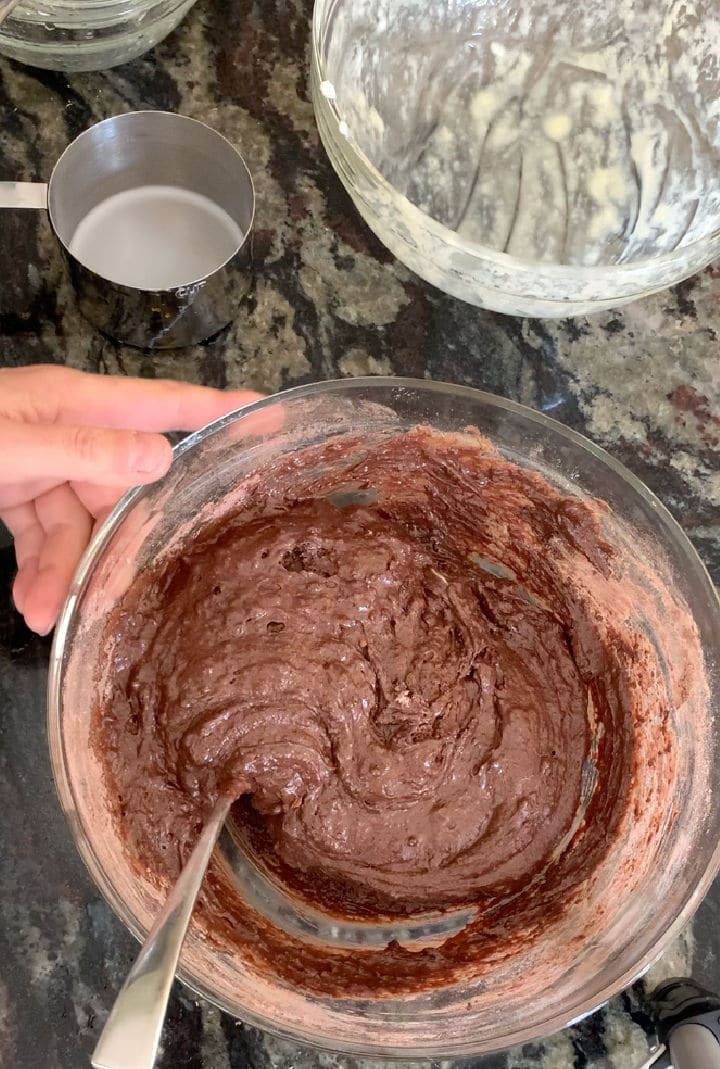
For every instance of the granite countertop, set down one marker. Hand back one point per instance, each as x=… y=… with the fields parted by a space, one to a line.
x=328 y=301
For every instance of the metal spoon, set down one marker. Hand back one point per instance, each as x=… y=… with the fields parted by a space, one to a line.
x=131 y=1035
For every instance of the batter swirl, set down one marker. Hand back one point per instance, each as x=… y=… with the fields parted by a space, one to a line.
x=412 y=677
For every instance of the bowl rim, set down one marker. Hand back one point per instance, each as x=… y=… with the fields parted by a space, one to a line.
x=582 y=274
x=557 y=1021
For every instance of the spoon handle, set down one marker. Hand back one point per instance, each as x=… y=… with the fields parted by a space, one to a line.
x=23 y=194
x=131 y=1035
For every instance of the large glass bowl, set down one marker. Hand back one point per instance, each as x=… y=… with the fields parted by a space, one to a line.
x=537 y=157
x=87 y=35
x=635 y=926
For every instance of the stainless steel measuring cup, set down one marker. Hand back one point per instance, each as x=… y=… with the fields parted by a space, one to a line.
x=133 y=156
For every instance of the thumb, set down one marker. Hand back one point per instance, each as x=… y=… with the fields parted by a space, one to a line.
x=86 y=454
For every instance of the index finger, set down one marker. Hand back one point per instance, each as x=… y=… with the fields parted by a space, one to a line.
x=143 y=404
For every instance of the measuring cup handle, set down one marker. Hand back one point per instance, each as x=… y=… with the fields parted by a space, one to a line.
x=23 y=194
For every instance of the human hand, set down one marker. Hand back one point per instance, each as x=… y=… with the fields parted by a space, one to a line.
x=70 y=445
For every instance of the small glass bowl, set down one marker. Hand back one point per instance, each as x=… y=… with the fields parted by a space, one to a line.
x=514 y=1004
x=87 y=35
x=537 y=158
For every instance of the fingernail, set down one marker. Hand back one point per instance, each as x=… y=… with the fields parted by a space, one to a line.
x=17 y=598
x=41 y=629
x=153 y=457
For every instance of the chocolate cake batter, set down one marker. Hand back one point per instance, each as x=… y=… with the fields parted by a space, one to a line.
x=403 y=659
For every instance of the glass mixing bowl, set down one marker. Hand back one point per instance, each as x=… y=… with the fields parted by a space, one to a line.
x=87 y=35
x=536 y=157
x=629 y=929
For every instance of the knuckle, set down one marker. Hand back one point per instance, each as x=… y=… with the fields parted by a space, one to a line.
x=99 y=449
x=84 y=444
x=51 y=385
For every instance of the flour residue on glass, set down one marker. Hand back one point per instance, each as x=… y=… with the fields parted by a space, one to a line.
x=562 y=133
x=155 y=237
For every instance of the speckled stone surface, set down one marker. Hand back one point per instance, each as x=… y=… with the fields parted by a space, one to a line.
x=328 y=301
